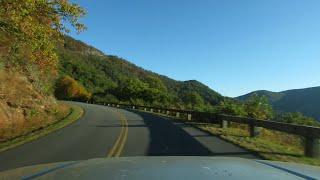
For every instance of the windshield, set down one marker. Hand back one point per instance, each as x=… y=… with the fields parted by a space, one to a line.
x=83 y=80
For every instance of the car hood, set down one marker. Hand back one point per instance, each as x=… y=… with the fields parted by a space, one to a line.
x=166 y=168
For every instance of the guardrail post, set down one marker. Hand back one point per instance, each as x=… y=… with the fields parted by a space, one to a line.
x=145 y=109
x=151 y=110
x=159 y=111
x=312 y=147
x=224 y=123
x=118 y=105
x=254 y=130
x=177 y=114
x=189 y=117
x=133 y=107
x=168 y=112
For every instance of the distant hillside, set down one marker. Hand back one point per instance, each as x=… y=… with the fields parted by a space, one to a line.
x=306 y=101
x=111 y=78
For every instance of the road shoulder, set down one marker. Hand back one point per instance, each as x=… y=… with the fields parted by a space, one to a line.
x=75 y=113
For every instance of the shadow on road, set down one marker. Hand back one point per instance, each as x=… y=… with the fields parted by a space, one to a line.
x=112 y=126
x=169 y=139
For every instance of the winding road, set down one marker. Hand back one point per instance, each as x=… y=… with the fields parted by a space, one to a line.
x=111 y=132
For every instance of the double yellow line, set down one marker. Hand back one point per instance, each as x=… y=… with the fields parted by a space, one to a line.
x=118 y=146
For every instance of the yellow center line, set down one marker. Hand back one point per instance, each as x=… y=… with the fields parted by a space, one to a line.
x=116 y=150
x=124 y=137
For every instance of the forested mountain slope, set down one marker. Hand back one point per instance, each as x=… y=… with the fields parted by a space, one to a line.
x=306 y=101
x=110 y=78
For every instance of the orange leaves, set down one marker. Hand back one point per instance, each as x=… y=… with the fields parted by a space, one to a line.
x=34 y=28
x=69 y=89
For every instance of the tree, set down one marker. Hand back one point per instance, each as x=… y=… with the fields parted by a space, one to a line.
x=155 y=83
x=130 y=88
x=296 y=118
x=69 y=89
x=258 y=107
x=230 y=107
x=30 y=30
x=193 y=100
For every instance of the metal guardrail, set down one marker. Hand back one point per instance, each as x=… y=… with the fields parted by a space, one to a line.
x=310 y=133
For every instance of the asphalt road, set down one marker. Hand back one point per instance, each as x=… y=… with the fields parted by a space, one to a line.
x=110 y=132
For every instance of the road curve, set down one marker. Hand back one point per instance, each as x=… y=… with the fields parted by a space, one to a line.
x=110 y=132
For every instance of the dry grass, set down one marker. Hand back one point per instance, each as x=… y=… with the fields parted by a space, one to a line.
x=26 y=112
x=271 y=145
x=75 y=112
x=23 y=108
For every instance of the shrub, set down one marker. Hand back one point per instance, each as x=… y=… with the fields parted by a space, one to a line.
x=296 y=118
x=231 y=108
x=1 y=64
x=69 y=89
x=258 y=107
x=105 y=98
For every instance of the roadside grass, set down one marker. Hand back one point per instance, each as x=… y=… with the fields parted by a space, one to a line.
x=75 y=113
x=271 y=145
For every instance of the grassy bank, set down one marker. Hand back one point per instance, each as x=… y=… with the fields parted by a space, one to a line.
x=271 y=145
x=75 y=113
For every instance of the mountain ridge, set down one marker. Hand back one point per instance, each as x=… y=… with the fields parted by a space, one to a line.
x=304 y=100
x=107 y=75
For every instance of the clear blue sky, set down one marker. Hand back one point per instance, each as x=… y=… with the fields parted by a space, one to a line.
x=233 y=46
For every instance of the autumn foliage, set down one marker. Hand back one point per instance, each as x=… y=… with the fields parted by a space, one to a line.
x=30 y=30
x=69 y=89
